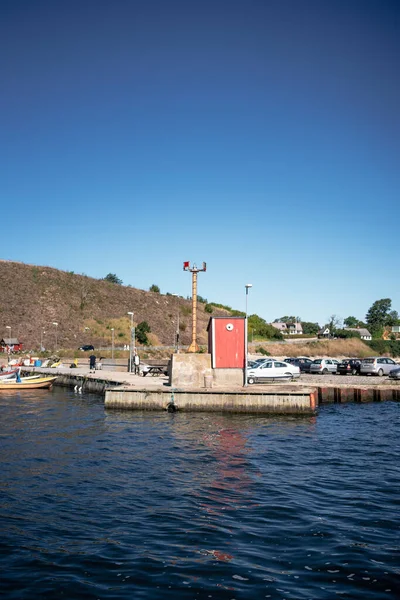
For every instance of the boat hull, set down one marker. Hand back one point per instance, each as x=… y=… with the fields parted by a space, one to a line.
x=33 y=384
x=8 y=374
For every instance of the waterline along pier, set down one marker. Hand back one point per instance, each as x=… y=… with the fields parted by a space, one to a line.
x=126 y=391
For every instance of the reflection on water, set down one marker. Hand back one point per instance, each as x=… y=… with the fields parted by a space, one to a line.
x=103 y=504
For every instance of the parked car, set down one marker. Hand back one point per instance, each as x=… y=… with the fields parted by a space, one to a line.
x=86 y=347
x=349 y=366
x=303 y=363
x=377 y=365
x=395 y=373
x=323 y=366
x=273 y=369
x=260 y=361
x=251 y=364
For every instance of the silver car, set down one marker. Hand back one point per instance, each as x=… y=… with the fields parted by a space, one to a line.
x=323 y=366
x=377 y=365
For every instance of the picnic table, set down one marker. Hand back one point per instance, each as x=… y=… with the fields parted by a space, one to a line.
x=154 y=370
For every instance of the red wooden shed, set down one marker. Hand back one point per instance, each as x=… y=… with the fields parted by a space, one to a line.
x=10 y=345
x=227 y=342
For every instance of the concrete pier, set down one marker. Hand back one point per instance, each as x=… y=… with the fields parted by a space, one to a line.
x=276 y=400
x=123 y=390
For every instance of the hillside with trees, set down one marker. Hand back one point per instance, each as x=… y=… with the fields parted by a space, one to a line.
x=86 y=310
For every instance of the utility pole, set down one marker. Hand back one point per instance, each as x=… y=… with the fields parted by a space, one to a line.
x=176 y=336
x=194 y=270
x=132 y=341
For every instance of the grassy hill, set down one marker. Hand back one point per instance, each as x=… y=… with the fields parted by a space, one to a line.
x=34 y=297
x=352 y=347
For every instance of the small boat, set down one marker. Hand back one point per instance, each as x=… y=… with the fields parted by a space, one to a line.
x=27 y=378
x=9 y=374
x=30 y=384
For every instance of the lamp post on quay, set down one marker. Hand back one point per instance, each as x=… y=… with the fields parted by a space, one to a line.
x=56 y=326
x=42 y=333
x=9 y=327
x=177 y=327
x=112 y=342
x=246 y=345
x=132 y=341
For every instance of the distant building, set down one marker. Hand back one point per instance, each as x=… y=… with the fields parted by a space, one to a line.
x=325 y=332
x=288 y=328
x=364 y=333
x=10 y=345
x=295 y=328
x=395 y=329
x=280 y=325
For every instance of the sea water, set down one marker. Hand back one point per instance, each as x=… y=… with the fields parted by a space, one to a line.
x=120 y=505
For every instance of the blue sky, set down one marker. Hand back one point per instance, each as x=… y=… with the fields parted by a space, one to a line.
x=260 y=136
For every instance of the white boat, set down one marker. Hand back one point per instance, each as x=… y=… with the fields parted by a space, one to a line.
x=12 y=374
x=14 y=379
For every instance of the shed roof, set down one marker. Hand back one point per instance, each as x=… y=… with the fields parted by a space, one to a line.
x=279 y=325
x=10 y=341
x=361 y=330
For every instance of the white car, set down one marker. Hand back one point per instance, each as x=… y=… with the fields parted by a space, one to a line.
x=273 y=369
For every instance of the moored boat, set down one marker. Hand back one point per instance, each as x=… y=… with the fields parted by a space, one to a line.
x=12 y=374
x=27 y=378
x=30 y=384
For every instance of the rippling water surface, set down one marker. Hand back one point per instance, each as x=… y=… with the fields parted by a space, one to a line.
x=118 y=505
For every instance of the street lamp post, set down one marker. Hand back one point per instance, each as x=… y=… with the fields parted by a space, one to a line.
x=41 y=340
x=246 y=345
x=177 y=327
x=112 y=342
x=131 y=340
x=56 y=326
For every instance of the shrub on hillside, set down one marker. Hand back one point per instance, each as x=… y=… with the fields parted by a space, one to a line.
x=112 y=278
x=141 y=333
x=385 y=347
x=263 y=351
x=345 y=334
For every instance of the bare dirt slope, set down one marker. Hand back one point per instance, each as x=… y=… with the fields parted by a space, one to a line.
x=33 y=297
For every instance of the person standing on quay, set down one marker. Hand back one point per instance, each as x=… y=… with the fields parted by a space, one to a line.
x=92 y=363
x=136 y=362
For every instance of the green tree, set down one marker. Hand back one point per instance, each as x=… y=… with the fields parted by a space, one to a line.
x=208 y=308
x=346 y=333
x=378 y=316
x=154 y=288
x=287 y=319
x=310 y=328
x=351 y=322
x=142 y=329
x=393 y=318
x=112 y=278
x=262 y=329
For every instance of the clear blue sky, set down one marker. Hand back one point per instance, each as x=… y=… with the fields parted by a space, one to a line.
x=260 y=136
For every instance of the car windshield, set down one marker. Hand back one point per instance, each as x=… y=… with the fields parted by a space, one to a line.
x=369 y=361
x=318 y=361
